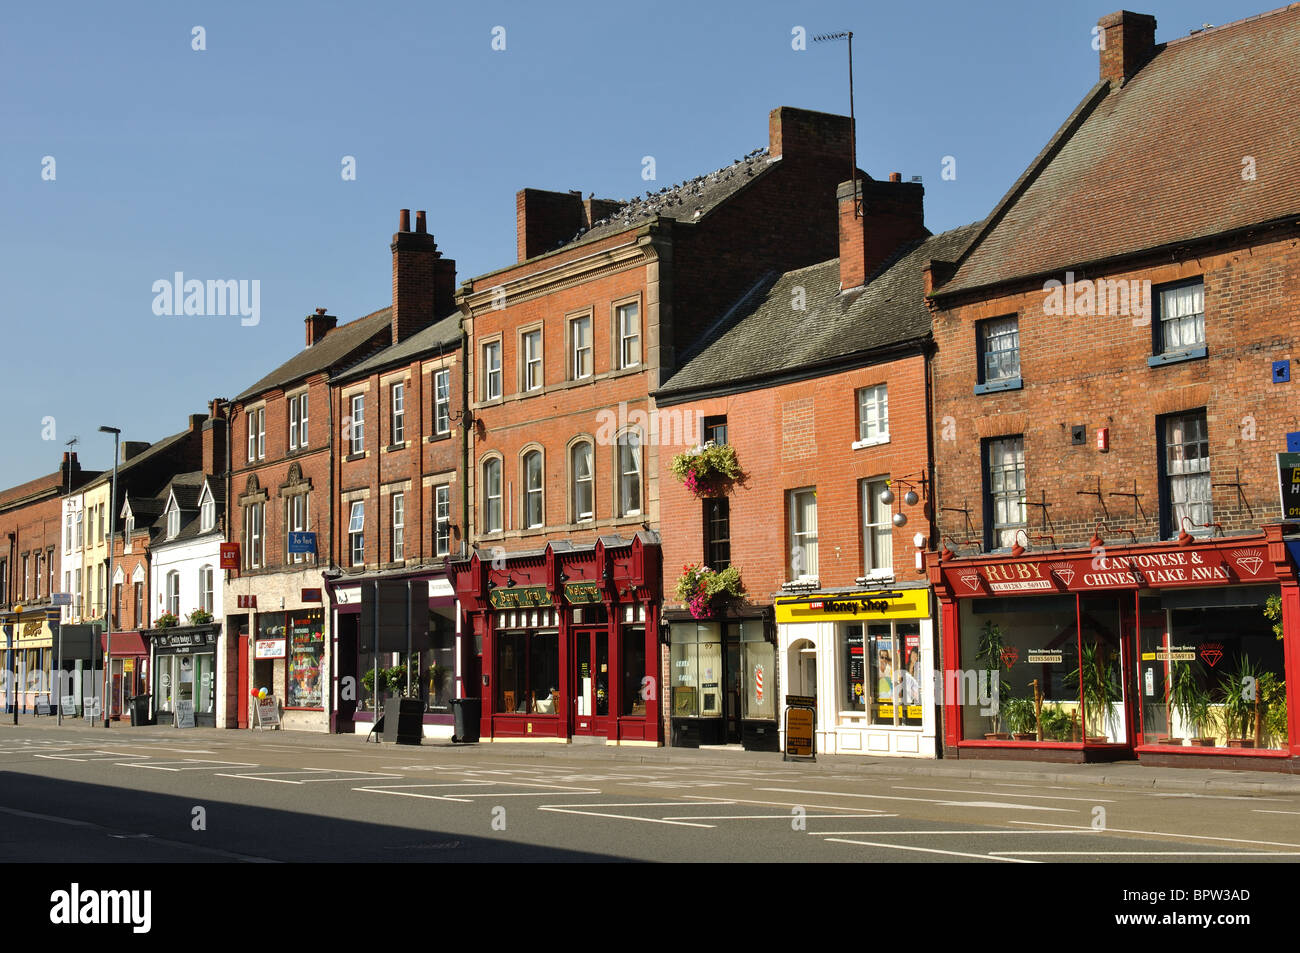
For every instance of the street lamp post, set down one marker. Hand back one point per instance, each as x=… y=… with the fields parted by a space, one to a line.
x=108 y=582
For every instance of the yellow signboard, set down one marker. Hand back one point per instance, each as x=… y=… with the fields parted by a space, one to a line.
x=33 y=635
x=855 y=606
x=798 y=733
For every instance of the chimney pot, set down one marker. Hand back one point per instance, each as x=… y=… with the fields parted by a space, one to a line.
x=895 y=177
x=892 y=215
x=320 y=310
x=404 y=220
x=419 y=222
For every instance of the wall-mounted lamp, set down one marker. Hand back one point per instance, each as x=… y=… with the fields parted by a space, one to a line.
x=911 y=482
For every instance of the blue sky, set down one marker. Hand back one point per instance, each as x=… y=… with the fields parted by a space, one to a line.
x=225 y=163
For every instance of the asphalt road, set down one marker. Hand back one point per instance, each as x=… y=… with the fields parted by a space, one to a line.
x=79 y=794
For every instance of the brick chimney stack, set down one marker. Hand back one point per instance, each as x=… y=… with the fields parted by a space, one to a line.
x=424 y=283
x=319 y=325
x=1128 y=41
x=892 y=215
x=214 y=438
x=805 y=134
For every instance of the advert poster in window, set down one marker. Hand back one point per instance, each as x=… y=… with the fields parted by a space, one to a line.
x=307 y=650
x=856 y=666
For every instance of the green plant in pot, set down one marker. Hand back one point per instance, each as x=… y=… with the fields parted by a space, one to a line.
x=1058 y=724
x=1241 y=703
x=990 y=652
x=396 y=680
x=1098 y=684
x=1192 y=703
x=1021 y=718
x=1272 y=707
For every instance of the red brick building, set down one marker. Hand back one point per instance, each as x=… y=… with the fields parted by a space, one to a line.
x=30 y=532
x=1112 y=386
x=564 y=349
x=399 y=510
x=816 y=380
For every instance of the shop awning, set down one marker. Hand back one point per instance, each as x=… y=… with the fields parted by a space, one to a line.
x=125 y=644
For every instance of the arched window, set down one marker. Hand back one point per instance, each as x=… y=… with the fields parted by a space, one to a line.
x=582 y=482
x=534 y=509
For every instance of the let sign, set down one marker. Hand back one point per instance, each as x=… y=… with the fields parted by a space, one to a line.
x=229 y=555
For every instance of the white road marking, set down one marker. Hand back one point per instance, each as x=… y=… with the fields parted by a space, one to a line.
x=925 y=800
x=1120 y=830
x=1046 y=797
x=891 y=833
x=1262 y=811
x=782 y=817
x=741 y=800
x=930 y=850
x=625 y=817
x=1152 y=853
x=349 y=775
x=190 y=764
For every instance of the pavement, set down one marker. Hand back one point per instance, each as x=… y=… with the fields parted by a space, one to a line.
x=1124 y=774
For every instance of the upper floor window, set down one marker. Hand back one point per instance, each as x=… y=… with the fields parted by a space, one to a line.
x=999 y=350
x=128 y=531
x=877 y=529
x=298 y=421
x=205 y=589
x=399 y=527
x=357 y=533
x=873 y=415
x=358 y=423
x=441 y=520
x=629 y=474
x=492 y=496
x=491 y=370
x=67 y=532
x=397 y=400
x=717 y=533
x=533 y=503
x=803 y=533
x=295 y=521
x=583 y=482
x=256 y=420
x=1186 y=471
x=254 y=524
x=138 y=619
x=532 y=357
x=629 y=334
x=174 y=592
x=1004 y=491
x=100 y=510
x=26 y=570
x=173 y=522
x=81 y=529
x=207 y=512
x=580 y=351
x=442 y=402
x=1181 y=317
x=715 y=429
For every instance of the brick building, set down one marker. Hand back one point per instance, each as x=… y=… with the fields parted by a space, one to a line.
x=398 y=503
x=1111 y=389
x=564 y=348
x=30 y=567
x=816 y=380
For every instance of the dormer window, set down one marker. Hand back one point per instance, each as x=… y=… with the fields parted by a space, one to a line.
x=173 y=522
x=207 y=512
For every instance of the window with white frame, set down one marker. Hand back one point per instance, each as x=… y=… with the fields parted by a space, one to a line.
x=999 y=343
x=357 y=533
x=254 y=550
x=877 y=529
x=101 y=589
x=629 y=473
x=803 y=533
x=580 y=364
x=81 y=529
x=584 y=503
x=67 y=532
x=442 y=402
x=492 y=496
x=128 y=529
x=1182 y=316
x=629 y=334
x=76 y=596
x=173 y=521
x=256 y=420
x=397 y=401
x=358 y=423
x=441 y=520
x=207 y=512
x=1188 y=495
x=399 y=527
x=873 y=415
x=1004 y=482
x=491 y=370
x=26 y=570
x=532 y=354
x=100 y=510
x=298 y=421
x=533 y=502
x=295 y=521
x=205 y=589
x=174 y=593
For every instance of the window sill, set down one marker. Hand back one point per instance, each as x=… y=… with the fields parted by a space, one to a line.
x=434 y=438
x=1011 y=383
x=354 y=456
x=1177 y=357
x=873 y=442
x=395 y=446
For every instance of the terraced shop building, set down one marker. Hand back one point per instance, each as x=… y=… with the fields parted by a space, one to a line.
x=1113 y=379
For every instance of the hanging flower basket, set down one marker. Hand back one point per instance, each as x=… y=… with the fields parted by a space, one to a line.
x=166 y=621
x=698 y=586
x=706 y=469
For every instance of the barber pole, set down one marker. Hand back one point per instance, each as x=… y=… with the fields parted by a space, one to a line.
x=758 y=683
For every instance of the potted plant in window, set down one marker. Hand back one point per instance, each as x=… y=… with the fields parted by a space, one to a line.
x=1190 y=702
x=166 y=621
x=1241 y=691
x=1272 y=705
x=991 y=654
x=707 y=469
x=1100 y=689
x=1021 y=718
x=1058 y=724
x=199 y=617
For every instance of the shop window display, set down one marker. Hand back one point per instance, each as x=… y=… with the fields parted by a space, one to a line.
x=696 y=657
x=759 y=670
x=306 y=657
x=634 y=693
x=528 y=672
x=882 y=672
x=1210 y=671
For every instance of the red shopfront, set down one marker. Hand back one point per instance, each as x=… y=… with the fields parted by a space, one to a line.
x=1177 y=654
x=566 y=642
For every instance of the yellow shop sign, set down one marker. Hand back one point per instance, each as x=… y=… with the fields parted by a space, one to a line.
x=855 y=606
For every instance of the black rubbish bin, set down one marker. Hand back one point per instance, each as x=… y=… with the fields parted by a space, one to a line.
x=140 y=710
x=467 y=712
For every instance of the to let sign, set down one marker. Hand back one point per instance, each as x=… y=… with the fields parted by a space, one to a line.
x=300 y=542
x=229 y=555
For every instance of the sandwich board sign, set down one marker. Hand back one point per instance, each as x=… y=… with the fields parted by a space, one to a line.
x=185 y=714
x=268 y=712
x=800 y=720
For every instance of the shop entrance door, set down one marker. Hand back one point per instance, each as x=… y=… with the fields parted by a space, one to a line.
x=733 y=676
x=1109 y=679
x=117 y=681
x=590 y=680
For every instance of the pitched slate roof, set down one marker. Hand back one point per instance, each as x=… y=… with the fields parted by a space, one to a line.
x=336 y=346
x=187 y=487
x=1159 y=160
x=443 y=334
x=124 y=468
x=762 y=335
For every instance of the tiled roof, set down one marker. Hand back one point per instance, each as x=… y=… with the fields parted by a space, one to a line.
x=762 y=335
x=338 y=345
x=443 y=334
x=1159 y=161
x=687 y=201
x=124 y=468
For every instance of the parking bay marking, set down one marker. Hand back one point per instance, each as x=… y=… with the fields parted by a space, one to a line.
x=349 y=775
x=929 y=850
x=1117 y=830
x=466 y=796
x=926 y=800
x=189 y=764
